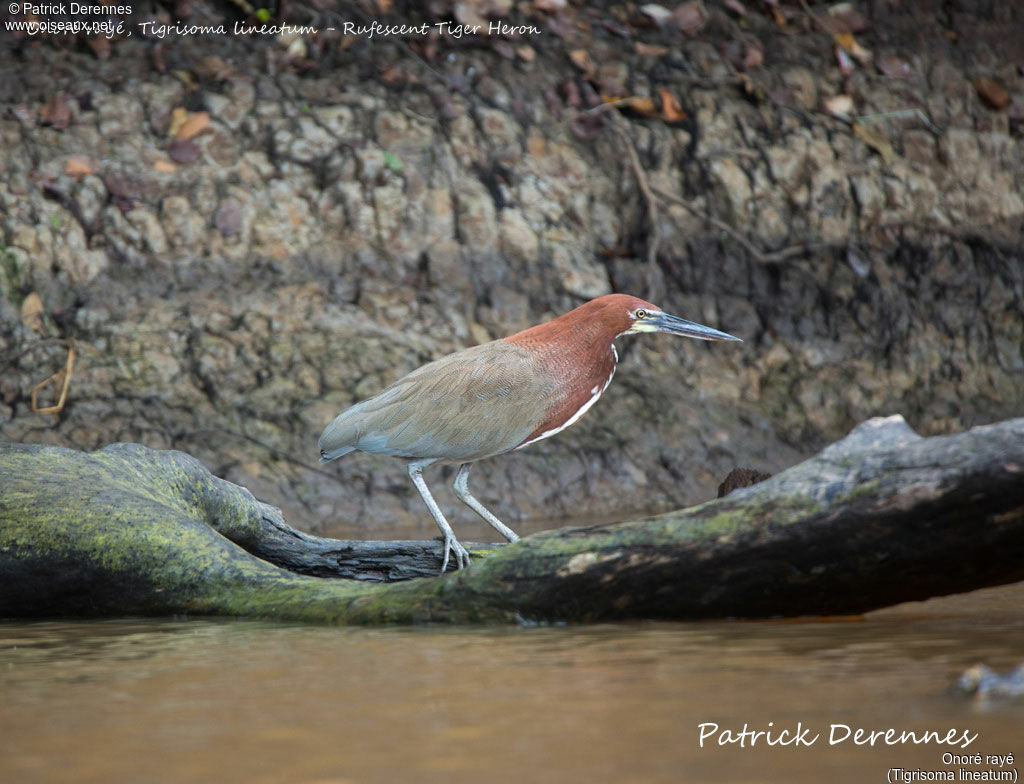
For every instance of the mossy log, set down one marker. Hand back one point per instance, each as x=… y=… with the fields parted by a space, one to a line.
x=881 y=517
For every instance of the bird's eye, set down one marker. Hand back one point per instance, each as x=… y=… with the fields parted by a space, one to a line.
x=641 y=314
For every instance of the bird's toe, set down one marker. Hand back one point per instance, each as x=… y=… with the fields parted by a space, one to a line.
x=453 y=545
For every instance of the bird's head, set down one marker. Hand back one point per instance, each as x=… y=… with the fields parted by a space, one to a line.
x=640 y=316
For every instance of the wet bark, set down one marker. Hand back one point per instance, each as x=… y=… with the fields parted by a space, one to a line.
x=881 y=517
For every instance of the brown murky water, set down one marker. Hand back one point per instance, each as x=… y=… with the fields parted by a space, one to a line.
x=239 y=701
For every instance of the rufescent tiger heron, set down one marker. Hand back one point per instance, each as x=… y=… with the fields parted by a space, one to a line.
x=498 y=397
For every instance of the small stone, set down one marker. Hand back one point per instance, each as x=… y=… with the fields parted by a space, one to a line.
x=992 y=93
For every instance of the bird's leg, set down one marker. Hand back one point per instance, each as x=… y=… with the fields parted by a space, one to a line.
x=450 y=542
x=462 y=491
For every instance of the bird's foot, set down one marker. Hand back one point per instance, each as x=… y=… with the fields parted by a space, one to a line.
x=453 y=545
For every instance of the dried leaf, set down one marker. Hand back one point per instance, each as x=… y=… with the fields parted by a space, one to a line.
x=845 y=40
x=178 y=118
x=23 y=113
x=587 y=125
x=650 y=50
x=658 y=13
x=736 y=7
x=526 y=53
x=876 y=140
x=183 y=151
x=394 y=76
x=641 y=104
x=79 y=166
x=228 y=218
x=573 y=97
x=56 y=112
x=840 y=106
x=164 y=166
x=860 y=54
x=549 y=5
x=32 y=311
x=844 y=18
x=469 y=14
x=214 y=68
x=194 y=124
x=671 y=111
x=754 y=57
x=894 y=67
x=124 y=193
x=846 y=66
x=992 y=93
x=689 y=17
x=581 y=59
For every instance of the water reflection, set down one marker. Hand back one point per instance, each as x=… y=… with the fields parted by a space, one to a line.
x=200 y=700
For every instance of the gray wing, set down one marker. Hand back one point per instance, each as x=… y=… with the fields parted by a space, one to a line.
x=478 y=402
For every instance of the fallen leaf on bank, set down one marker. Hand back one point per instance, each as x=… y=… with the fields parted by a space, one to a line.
x=845 y=40
x=183 y=151
x=178 y=117
x=671 y=111
x=650 y=50
x=23 y=113
x=79 y=166
x=743 y=54
x=193 y=124
x=894 y=67
x=657 y=13
x=586 y=125
x=164 y=166
x=641 y=104
x=186 y=78
x=526 y=53
x=736 y=7
x=228 y=218
x=124 y=193
x=845 y=18
x=394 y=76
x=32 y=311
x=876 y=140
x=992 y=93
x=840 y=106
x=689 y=17
x=56 y=112
x=214 y=68
x=754 y=56
x=470 y=14
x=849 y=44
x=581 y=59
x=846 y=66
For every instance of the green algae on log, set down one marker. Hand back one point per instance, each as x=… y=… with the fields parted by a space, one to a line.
x=880 y=517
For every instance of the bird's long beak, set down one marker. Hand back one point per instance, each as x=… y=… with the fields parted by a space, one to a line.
x=663 y=322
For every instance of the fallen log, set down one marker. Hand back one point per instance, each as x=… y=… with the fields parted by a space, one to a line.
x=880 y=517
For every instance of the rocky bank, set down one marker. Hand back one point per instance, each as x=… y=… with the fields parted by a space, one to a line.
x=348 y=214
